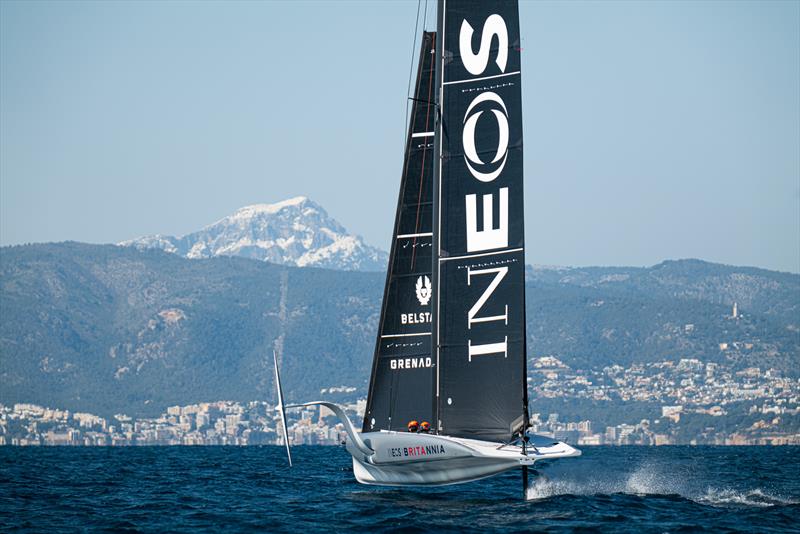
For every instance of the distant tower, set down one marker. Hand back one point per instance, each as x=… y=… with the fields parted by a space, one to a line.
x=735 y=311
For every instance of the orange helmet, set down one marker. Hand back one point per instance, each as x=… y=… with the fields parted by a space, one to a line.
x=413 y=426
x=425 y=427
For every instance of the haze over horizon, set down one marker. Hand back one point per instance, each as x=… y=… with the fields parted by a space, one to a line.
x=653 y=130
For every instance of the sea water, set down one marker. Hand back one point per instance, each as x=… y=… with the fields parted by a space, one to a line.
x=615 y=489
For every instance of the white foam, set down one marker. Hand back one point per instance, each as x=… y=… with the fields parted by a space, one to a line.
x=645 y=480
x=730 y=497
x=649 y=480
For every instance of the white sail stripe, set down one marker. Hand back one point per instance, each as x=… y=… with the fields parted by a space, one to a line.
x=441 y=260
x=407 y=335
x=483 y=78
x=490 y=319
x=422 y=134
x=426 y=234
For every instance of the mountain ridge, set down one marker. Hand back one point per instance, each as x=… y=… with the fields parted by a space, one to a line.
x=296 y=231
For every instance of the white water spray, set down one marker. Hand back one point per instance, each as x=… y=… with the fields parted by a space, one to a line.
x=648 y=479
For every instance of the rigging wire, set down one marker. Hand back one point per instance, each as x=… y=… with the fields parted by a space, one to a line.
x=411 y=66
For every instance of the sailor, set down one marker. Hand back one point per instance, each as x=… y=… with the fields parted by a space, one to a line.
x=424 y=427
x=413 y=426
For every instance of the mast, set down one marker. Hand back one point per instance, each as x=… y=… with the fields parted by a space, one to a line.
x=402 y=371
x=437 y=169
x=478 y=333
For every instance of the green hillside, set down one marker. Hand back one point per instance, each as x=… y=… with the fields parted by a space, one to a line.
x=110 y=329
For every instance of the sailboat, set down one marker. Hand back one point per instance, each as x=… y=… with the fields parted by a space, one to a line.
x=448 y=399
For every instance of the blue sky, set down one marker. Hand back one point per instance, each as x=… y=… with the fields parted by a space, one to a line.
x=653 y=130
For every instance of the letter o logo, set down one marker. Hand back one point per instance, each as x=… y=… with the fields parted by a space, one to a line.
x=471 y=156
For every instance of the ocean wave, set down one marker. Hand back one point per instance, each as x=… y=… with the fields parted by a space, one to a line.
x=243 y=489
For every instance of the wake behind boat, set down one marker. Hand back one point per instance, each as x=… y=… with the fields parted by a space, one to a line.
x=448 y=396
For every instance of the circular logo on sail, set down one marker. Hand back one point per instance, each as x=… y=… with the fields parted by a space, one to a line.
x=423 y=290
x=489 y=170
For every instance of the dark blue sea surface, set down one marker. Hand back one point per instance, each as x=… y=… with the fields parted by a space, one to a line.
x=619 y=489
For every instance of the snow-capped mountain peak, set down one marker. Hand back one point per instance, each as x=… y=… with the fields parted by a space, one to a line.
x=255 y=209
x=296 y=231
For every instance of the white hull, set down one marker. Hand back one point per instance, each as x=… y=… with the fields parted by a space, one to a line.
x=405 y=459
x=389 y=458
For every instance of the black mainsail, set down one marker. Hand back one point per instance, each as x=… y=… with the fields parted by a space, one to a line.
x=478 y=236
x=402 y=381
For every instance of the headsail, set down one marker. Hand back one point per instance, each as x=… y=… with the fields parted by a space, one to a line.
x=401 y=386
x=479 y=291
